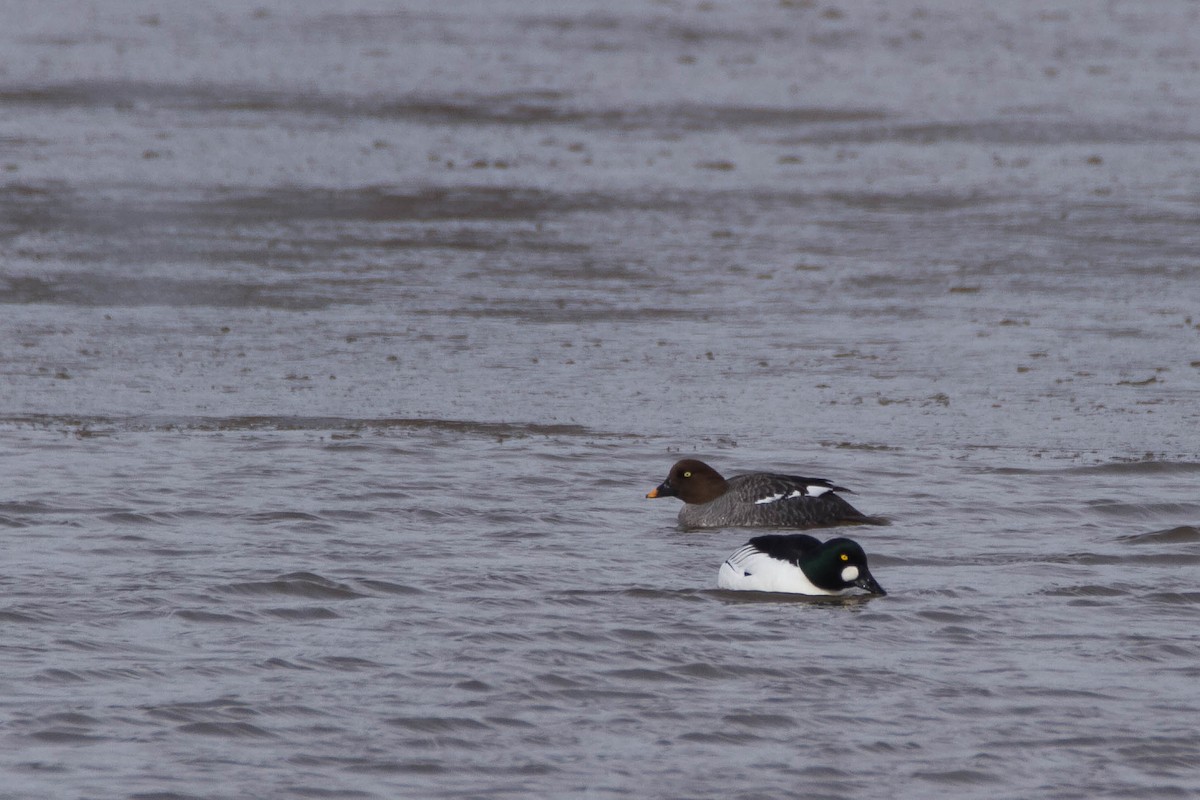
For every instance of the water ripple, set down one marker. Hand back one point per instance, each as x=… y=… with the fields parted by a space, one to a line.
x=296 y=584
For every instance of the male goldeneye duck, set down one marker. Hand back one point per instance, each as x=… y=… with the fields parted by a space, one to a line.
x=758 y=499
x=798 y=564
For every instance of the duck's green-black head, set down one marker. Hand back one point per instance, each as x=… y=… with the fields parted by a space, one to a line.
x=840 y=564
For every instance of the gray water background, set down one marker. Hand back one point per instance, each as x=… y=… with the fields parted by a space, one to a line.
x=339 y=344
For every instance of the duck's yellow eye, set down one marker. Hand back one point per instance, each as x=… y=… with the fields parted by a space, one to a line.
x=845 y=557
x=687 y=474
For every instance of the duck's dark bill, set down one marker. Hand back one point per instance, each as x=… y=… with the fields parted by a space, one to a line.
x=662 y=490
x=870 y=584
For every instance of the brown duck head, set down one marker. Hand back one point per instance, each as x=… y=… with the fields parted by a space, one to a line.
x=692 y=481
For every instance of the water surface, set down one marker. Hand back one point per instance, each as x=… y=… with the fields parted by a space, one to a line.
x=339 y=347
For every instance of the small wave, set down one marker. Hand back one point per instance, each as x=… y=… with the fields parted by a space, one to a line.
x=418 y=767
x=1184 y=534
x=296 y=584
x=438 y=724
x=193 y=615
x=644 y=674
x=515 y=108
x=228 y=730
x=68 y=718
x=317 y=612
x=1125 y=559
x=782 y=598
x=770 y=721
x=707 y=671
x=60 y=676
x=65 y=728
x=490 y=429
x=1175 y=598
x=130 y=518
x=282 y=516
x=347 y=514
x=22 y=618
x=958 y=776
x=342 y=663
x=556 y=681
x=472 y=685
x=279 y=663
x=945 y=616
x=663 y=594
x=531 y=768
x=56 y=736
x=57 y=676
x=992 y=132
x=21 y=507
x=186 y=514
x=909 y=202
x=866 y=447
x=636 y=635
x=1087 y=590
x=497 y=636
x=1114 y=508
x=217 y=709
x=1148 y=465
x=512 y=722
x=110 y=291
x=720 y=737
x=387 y=587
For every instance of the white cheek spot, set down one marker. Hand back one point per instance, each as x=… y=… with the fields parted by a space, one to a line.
x=770 y=499
x=850 y=574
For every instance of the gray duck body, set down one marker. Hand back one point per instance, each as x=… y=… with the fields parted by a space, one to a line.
x=756 y=500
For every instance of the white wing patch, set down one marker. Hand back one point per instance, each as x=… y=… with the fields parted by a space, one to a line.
x=810 y=490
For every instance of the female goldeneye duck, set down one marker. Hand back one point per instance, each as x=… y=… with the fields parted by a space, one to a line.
x=798 y=564
x=758 y=499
